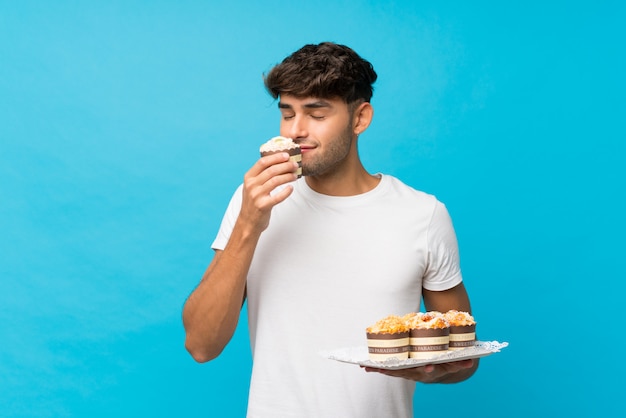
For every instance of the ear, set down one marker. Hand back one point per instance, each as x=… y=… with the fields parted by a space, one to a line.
x=362 y=117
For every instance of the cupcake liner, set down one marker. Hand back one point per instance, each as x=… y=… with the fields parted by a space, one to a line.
x=425 y=343
x=462 y=336
x=295 y=154
x=383 y=346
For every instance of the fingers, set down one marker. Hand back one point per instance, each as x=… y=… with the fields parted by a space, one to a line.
x=269 y=172
x=427 y=373
x=282 y=194
x=446 y=368
x=260 y=187
x=273 y=164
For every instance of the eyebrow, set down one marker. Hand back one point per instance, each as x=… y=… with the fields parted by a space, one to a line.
x=312 y=105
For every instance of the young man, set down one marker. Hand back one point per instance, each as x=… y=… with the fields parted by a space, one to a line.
x=321 y=258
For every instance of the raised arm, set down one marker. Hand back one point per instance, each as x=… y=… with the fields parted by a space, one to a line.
x=211 y=313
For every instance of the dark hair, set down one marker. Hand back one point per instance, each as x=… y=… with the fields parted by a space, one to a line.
x=326 y=71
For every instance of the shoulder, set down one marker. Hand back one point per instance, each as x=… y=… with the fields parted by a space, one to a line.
x=396 y=187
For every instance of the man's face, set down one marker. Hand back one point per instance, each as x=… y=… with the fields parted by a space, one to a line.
x=322 y=127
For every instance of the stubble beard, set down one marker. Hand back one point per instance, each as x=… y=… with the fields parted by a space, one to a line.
x=336 y=151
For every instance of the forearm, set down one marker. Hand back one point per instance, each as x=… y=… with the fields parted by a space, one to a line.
x=211 y=313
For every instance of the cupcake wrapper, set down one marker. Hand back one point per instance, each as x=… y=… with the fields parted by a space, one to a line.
x=382 y=346
x=425 y=343
x=462 y=336
x=295 y=154
x=429 y=332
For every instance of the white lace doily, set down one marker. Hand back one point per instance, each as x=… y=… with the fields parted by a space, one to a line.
x=359 y=355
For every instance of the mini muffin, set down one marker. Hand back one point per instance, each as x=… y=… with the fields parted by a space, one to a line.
x=429 y=334
x=462 y=329
x=282 y=144
x=388 y=339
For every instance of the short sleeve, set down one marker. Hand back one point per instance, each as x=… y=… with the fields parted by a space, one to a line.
x=443 y=270
x=228 y=221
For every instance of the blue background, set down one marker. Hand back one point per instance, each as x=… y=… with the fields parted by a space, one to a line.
x=126 y=125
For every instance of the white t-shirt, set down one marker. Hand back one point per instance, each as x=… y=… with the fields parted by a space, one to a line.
x=325 y=269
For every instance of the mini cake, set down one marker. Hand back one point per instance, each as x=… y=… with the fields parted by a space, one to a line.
x=282 y=144
x=462 y=329
x=387 y=339
x=429 y=334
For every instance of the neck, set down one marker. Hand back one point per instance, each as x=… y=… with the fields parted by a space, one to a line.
x=350 y=180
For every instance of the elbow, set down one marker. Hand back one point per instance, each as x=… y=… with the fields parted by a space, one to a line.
x=201 y=354
x=198 y=346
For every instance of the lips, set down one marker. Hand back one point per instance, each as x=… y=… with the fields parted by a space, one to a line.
x=305 y=148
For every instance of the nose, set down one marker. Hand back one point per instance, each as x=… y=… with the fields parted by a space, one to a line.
x=295 y=128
